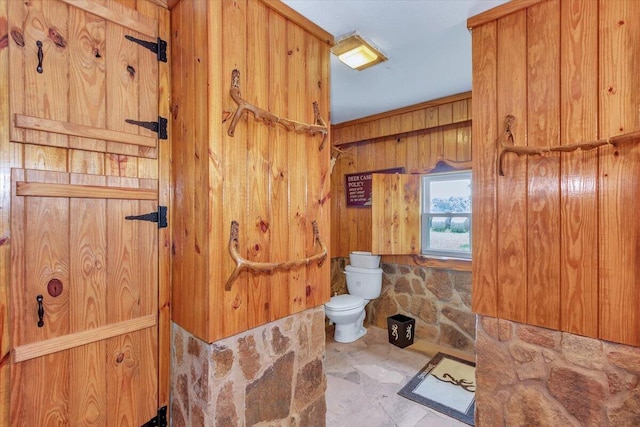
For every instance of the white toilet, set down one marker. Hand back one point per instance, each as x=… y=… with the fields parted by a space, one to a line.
x=347 y=311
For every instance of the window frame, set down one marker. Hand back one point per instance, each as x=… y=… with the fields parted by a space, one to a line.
x=425 y=215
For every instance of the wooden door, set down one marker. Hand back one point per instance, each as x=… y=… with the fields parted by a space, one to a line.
x=84 y=300
x=79 y=79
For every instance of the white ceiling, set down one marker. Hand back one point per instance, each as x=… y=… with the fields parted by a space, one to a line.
x=426 y=41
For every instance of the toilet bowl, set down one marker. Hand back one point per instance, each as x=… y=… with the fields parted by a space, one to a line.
x=347 y=311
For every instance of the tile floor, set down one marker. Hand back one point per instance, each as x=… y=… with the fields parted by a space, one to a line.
x=364 y=377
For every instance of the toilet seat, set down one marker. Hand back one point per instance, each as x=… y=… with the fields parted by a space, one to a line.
x=345 y=302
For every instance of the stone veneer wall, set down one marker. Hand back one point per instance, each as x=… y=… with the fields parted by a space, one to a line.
x=272 y=375
x=528 y=376
x=439 y=300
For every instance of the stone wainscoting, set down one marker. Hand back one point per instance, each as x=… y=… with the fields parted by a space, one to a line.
x=273 y=375
x=528 y=376
x=439 y=300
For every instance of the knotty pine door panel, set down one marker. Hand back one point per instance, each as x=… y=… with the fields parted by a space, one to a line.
x=85 y=80
x=88 y=356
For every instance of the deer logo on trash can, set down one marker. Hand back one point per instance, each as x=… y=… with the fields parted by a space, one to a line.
x=394 y=332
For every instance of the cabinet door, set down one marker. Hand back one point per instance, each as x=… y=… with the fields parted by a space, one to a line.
x=84 y=300
x=395 y=214
x=76 y=79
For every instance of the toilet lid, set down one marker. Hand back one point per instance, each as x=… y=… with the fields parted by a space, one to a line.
x=351 y=268
x=344 y=302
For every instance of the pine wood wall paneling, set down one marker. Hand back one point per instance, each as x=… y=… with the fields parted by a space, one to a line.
x=512 y=188
x=279 y=160
x=299 y=229
x=234 y=48
x=619 y=179
x=484 y=171
x=437 y=143
x=219 y=82
x=414 y=142
x=595 y=202
x=463 y=144
x=366 y=162
x=423 y=140
x=450 y=142
x=184 y=271
x=499 y=12
x=327 y=182
x=318 y=180
x=543 y=192
x=401 y=149
x=347 y=225
x=354 y=130
x=257 y=232
x=165 y=186
x=578 y=198
x=462 y=112
x=449 y=134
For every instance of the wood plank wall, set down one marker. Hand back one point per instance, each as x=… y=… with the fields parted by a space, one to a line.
x=273 y=182
x=16 y=155
x=415 y=137
x=556 y=239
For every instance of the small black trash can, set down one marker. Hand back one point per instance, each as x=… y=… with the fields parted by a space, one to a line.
x=401 y=330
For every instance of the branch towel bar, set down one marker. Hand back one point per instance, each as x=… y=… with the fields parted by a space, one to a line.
x=506 y=144
x=319 y=127
x=268 y=267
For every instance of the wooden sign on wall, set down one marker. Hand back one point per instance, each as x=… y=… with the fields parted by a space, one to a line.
x=358 y=187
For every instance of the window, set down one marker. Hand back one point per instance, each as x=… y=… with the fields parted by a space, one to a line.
x=446 y=214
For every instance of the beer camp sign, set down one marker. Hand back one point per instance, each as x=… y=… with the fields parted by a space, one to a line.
x=358 y=187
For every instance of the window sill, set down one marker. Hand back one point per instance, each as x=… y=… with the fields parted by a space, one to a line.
x=448 y=263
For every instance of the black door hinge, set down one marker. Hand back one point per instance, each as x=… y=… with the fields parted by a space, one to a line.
x=160 y=127
x=159 y=420
x=160 y=48
x=160 y=217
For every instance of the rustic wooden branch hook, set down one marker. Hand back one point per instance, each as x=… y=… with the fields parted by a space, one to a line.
x=320 y=126
x=507 y=137
x=507 y=145
x=269 y=267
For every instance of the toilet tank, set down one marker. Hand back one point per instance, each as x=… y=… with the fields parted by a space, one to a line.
x=362 y=259
x=364 y=282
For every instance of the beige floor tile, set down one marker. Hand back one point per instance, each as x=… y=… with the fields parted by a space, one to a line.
x=364 y=377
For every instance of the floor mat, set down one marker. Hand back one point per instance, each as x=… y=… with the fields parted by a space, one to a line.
x=446 y=384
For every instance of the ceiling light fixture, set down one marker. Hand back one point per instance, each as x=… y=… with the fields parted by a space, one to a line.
x=357 y=53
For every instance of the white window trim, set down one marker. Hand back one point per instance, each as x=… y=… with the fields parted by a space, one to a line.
x=425 y=216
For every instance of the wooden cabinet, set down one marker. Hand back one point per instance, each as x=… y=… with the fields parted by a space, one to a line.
x=395 y=214
x=555 y=239
x=273 y=182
